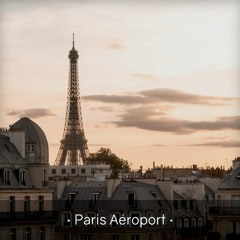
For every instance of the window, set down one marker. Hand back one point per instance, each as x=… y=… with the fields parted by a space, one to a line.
x=95 y=197
x=8 y=177
x=235 y=204
x=63 y=171
x=150 y=237
x=148 y=215
x=23 y=177
x=115 y=237
x=12 y=234
x=154 y=194
x=44 y=175
x=135 y=237
x=193 y=222
x=42 y=233
x=163 y=215
x=73 y=170
x=186 y=223
x=135 y=219
x=210 y=198
x=200 y=222
x=117 y=216
x=179 y=223
x=30 y=147
x=26 y=204
x=131 y=199
x=40 y=203
x=54 y=171
x=86 y=237
x=219 y=201
x=92 y=216
x=28 y=233
x=66 y=219
x=12 y=204
x=66 y=237
x=71 y=197
x=83 y=170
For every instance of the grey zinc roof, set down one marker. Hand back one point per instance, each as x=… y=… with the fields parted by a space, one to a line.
x=119 y=199
x=33 y=134
x=10 y=158
x=9 y=155
x=176 y=196
x=208 y=190
x=231 y=181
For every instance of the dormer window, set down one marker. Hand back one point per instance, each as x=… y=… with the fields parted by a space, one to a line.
x=131 y=199
x=154 y=194
x=95 y=197
x=71 y=197
x=8 y=177
x=23 y=177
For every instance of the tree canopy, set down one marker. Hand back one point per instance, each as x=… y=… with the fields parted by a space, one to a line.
x=105 y=155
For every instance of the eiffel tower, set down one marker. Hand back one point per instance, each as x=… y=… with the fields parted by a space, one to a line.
x=73 y=149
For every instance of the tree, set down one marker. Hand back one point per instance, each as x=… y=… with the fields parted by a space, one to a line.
x=105 y=155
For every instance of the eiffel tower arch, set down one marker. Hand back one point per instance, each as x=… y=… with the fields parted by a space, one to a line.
x=73 y=148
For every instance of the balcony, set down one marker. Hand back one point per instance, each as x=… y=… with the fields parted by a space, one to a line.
x=192 y=231
x=233 y=211
x=6 y=217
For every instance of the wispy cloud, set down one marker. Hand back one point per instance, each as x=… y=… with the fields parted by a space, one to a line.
x=119 y=99
x=104 y=109
x=178 y=96
x=32 y=113
x=146 y=76
x=224 y=144
x=162 y=95
x=116 y=44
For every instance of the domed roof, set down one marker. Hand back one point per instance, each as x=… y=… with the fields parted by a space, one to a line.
x=33 y=135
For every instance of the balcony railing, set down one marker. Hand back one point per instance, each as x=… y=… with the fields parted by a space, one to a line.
x=28 y=216
x=225 y=211
x=192 y=231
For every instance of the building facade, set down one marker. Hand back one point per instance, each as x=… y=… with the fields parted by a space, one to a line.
x=25 y=200
x=226 y=213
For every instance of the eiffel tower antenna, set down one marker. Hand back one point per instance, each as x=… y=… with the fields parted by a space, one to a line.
x=73 y=148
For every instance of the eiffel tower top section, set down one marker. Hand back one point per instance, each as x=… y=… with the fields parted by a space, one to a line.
x=73 y=54
x=73 y=148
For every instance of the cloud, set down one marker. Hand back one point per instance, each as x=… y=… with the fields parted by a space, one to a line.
x=224 y=144
x=158 y=95
x=104 y=109
x=146 y=76
x=32 y=113
x=178 y=96
x=156 y=120
x=116 y=45
x=120 y=99
x=159 y=145
x=215 y=138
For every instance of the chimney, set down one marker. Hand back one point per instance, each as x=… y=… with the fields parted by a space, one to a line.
x=236 y=163
x=112 y=183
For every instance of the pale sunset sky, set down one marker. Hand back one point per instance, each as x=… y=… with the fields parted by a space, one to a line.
x=159 y=80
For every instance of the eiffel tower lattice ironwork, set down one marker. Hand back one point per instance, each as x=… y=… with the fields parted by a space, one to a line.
x=73 y=149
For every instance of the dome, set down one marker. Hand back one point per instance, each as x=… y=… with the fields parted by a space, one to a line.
x=35 y=136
